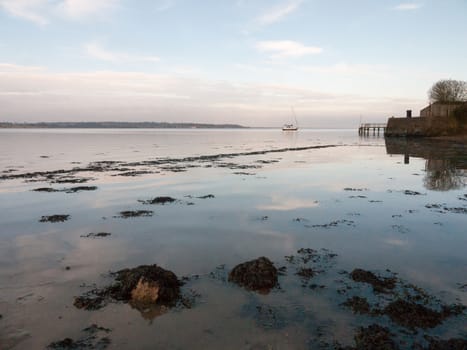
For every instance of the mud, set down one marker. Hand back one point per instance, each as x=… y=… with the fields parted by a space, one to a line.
x=55 y=218
x=257 y=275
x=94 y=337
x=379 y=284
x=134 y=214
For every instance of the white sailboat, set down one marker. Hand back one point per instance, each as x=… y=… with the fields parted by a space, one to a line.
x=291 y=127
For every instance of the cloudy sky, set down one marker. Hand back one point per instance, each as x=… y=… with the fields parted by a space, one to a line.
x=226 y=61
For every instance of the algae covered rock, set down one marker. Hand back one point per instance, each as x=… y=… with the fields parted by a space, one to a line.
x=258 y=275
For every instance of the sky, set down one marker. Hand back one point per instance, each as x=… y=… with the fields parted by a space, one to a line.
x=336 y=62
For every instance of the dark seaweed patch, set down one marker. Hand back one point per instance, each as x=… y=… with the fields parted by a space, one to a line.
x=413 y=193
x=134 y=214
x=379 y=284
x=55 y=218
x=158 y=200
x=96 y=235
x=358 y=305
x=93 y=338
x=333 y=224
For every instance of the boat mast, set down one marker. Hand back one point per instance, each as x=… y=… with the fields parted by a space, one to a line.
x=295 y=116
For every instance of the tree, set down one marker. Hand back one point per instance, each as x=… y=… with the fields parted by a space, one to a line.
x=447 y=91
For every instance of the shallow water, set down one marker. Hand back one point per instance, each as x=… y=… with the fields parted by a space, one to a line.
x=348 y=198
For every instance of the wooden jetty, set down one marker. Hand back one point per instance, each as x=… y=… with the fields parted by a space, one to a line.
x=365 y=128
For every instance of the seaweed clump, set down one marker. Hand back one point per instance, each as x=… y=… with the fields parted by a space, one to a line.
x=257 y=275
x=379 y=284
x=412 y=315
x=143 y=286
x=55 y=218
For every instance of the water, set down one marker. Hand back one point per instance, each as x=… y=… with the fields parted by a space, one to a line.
x=348 y=198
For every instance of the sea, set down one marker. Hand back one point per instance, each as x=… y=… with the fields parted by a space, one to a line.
x=326 y=202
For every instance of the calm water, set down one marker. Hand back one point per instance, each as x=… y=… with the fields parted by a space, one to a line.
x=257 y=201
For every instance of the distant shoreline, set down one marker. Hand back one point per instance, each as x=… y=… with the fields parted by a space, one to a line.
x=117 y=125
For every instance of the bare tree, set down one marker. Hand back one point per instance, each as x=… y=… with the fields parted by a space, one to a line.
x=448 y=90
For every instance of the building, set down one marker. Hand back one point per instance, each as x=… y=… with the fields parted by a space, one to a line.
x=439 y=109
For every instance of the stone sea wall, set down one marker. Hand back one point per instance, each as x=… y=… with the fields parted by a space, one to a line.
x=423 y=126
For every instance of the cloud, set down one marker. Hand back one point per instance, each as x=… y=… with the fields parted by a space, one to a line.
x=31 y=10
x=278 y=202
x=41 y=12
x=278 y=13
x=287 y=48
x=163 y=5
x=78 y=9
x=343 y=68
x=409 y=6
x=95 y=50
x=36 y=94
x=8 y=68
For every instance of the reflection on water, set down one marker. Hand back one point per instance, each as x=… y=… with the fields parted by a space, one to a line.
x=443 y=175
x=445 y=165
x=354 y=205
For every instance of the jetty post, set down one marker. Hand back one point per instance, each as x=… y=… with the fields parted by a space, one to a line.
x=365 y=128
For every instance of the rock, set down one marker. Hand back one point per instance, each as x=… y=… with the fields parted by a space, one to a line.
x=258 y=275
x=147 y=282
x=145 y=292
x=143 y=286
